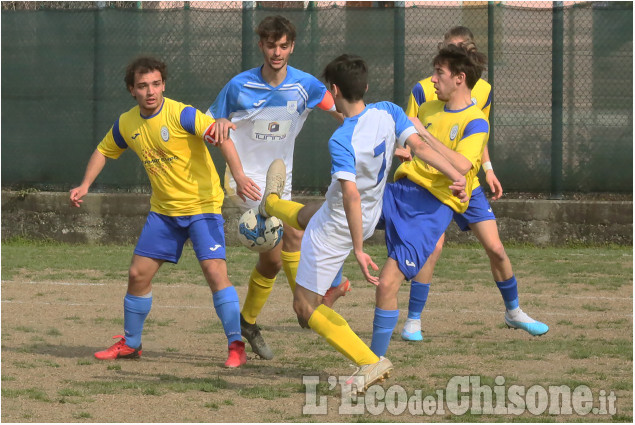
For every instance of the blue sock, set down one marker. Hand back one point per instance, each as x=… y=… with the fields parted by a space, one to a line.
x=383 y=325
x=228 y=310
x=338 y=279
x=135 y=311
x=509 y=291
x=418 y=298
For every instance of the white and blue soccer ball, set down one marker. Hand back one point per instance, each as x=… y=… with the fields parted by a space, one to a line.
x=258 y=233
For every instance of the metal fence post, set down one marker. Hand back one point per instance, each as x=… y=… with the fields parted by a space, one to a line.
x=98 y=73
x=490 y=71
x=247 y=31
x=399 y=63
x=557 y=87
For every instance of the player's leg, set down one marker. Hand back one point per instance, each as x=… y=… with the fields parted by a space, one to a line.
x=159 y=242
x=208 y=240
x=261 y=281
x=386 y=309
x=419 y=289
x=487 y=233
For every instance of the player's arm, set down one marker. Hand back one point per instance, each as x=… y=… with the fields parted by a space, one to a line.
x=458 y=161
x=96 y=163
x=427 y=154
x=245 y=187
x=328 y=104
x=494 y=185
x=221 y=109
x=353 y=208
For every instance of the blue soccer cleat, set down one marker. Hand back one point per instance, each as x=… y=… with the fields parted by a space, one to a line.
x=517 y=319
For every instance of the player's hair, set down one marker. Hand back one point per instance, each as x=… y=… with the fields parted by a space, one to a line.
x=461 y=32
x=464 y=58
x=275 y=27
x=350 y=74
x=143 y=65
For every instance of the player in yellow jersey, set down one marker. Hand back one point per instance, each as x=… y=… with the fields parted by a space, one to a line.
x=418 y=206
x=479 y=218
x=169 y=138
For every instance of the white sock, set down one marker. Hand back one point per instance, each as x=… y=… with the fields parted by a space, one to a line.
x=412 y=325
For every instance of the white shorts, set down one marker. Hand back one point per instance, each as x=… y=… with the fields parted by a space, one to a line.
x=319 y=262
x=230 y=191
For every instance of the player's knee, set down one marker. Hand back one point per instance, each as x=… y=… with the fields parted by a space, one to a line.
x=497 y=252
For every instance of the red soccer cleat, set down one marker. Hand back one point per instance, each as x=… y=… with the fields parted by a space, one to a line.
x=334 y=293
x=119 y=351
x=237 y=356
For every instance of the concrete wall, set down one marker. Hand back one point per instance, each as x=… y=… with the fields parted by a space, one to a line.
x=119 y=218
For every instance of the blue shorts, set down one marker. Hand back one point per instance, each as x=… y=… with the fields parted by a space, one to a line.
x=414 y=220
x=163 y=236
x=478 y=210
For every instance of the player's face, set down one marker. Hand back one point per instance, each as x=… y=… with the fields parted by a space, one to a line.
x=276 y=52
x=444 y=82
x=148 y=91
x=455 y=40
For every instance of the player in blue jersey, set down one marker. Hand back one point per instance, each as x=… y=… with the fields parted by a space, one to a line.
x=418 y=206
x=479 y=218
x=361 y=149
x=169 y=138
x=264 y=109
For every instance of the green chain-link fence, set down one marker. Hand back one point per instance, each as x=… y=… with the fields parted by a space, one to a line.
x=62 y=80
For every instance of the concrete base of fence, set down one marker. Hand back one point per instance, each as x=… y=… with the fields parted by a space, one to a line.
x=118 y=218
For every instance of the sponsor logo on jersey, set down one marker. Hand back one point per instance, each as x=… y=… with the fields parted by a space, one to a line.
x=260 y=102
x=454 y=131
x=165 y=134
x=215 y=247
x=427 y=125
x=271 y=131
x=410 y=263
x=136 y=135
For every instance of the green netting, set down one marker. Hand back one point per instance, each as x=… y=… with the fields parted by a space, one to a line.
x=62 y=82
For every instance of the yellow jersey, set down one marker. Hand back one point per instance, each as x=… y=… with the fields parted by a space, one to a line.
x=172 y=149
x=464 y=131
x=424 y=91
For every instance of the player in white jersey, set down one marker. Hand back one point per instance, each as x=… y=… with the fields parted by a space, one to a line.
x=361 y=150
x=265 y=109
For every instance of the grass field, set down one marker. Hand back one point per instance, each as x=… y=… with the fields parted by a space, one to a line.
x=61 y=303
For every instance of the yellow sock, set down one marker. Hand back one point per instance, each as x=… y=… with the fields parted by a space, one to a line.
x=332 y=327
x=290 y=261
x=287 y=211
x=259 y=289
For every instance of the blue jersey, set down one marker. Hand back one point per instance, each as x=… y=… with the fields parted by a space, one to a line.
x=267 y=118
x=361 y=151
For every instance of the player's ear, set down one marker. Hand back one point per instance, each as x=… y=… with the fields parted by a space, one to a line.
x=292 y=46
x=131 y=90
x=366 y=91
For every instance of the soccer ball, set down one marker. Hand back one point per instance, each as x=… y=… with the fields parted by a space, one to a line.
x=258 y=233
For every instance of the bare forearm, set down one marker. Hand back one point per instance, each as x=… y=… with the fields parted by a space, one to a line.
x=231 y=157
x=95 y=165
x=458 y=161
x=353 y=210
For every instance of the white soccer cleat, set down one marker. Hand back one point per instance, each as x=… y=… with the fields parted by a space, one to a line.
x=276 y=178
x=412 y=330
x=367 y=375
x=518 y=319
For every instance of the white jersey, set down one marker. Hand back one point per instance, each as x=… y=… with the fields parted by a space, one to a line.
x=361 y=150
x=267 y=118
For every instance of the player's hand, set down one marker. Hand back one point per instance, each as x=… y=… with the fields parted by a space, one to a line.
x=76 y=196
x=221 y=129
x=494 y=185
x=403 y=154
x=364 y=262
x=247 y=188
x=458 y=189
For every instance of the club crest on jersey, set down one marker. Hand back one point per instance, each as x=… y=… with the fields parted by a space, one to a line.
x=454 y=131
x=292 y=106
x=165 y=134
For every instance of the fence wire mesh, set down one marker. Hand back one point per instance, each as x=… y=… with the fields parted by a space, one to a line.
x=63 y=66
